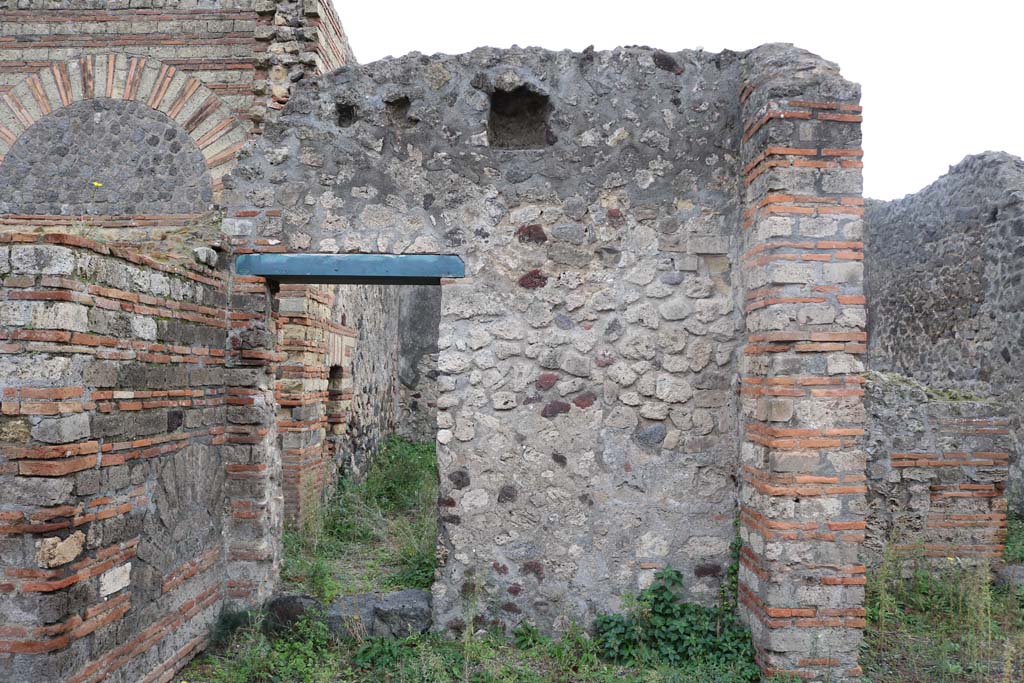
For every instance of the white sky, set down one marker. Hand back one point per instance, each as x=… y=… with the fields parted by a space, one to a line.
x=940 y=79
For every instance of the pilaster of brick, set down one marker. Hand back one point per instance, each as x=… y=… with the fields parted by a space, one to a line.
x=313 y=345
x=253 y=493
x=802 y=496
x=112 y=397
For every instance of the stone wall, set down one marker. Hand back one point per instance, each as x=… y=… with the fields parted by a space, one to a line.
x=372 y=311
x=586 y=413
x=937 y=471
x=112 y=478
x=419 y=321
x=945 y=282
x=105 y=156
x=945 y=277
x=588 y=429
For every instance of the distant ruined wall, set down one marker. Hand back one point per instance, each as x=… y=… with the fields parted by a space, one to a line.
x=946 y=285
x=419 y=321
x=937 y=472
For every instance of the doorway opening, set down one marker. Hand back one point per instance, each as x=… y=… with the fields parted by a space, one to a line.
x=356 y=417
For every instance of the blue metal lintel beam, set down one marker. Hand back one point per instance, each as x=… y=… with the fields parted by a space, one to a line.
x=351 y=268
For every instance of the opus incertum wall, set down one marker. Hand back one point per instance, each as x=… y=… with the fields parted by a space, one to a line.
x=643 y=232
x=105 y=139
x=105 y=156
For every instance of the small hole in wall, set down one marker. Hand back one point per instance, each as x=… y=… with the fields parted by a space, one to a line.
x=519 y=119
x=334 y=379
x=346 y=114
x=398 y=112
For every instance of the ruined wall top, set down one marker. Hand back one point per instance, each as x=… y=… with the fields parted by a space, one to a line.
x=622 y=116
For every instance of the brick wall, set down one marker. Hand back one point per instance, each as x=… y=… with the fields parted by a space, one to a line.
x=111 y=471
x=802 y=462
x=937 y=472
x=316 y=346
x=253 y=493
x=209 y=71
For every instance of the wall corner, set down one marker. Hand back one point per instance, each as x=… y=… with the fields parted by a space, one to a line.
x=802 y=466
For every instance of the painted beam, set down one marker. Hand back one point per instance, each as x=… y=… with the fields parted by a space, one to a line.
x=352 y=268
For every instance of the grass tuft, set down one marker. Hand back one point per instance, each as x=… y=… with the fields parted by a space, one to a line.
x=379 y=534
x=941 y=622
x=306 y=657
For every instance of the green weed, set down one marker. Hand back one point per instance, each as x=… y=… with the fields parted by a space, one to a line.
x=378 y=534
x=304 y=656
x=939 y=621
x=490 y=658
x=1014 y=552
x=660 y=628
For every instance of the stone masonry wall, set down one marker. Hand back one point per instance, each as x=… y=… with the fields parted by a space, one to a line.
x=946 y=273
x=112 y=480
x=372 y=312
x=419 y=321
x=135 y=160
x=945 y=280
x=586 y=412
x=660 y=331
x=937 y=472
x=587 y=418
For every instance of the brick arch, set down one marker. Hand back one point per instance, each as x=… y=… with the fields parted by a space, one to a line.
x=206 y=118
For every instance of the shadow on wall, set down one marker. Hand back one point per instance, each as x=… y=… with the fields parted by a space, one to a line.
x=419 y=320
x=372 y=310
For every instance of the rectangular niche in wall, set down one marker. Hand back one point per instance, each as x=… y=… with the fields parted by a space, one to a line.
x=518 y=119
x=346 y=114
